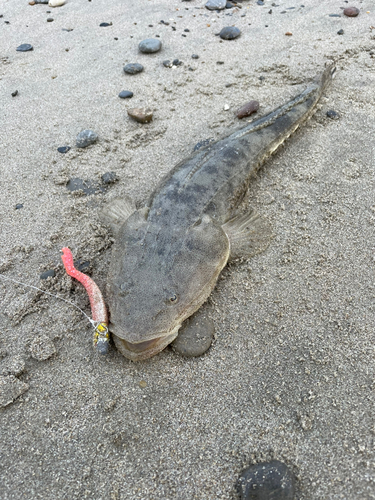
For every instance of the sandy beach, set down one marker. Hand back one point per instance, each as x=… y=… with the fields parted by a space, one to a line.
x=291 y=374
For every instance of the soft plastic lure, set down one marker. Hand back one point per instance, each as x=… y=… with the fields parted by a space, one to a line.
x=98 y=309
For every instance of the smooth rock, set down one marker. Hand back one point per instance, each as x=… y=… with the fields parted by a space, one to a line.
x=85 y=138
x=149 y=46
x=260 y=2
x=63 y=149
x=332 y=114
x=216 y=4
x=167 y=63
x=195 y=336
x=351 y=11
x=56 y=3
x=109 y=178
x=229 y=5
x=42 y=348
x=25 y=47
x=10 y=389
x=19 y=205
x=133 y=68
x=49 y=20
x=176 y=62
x=195 y=56
x=229 y=33
x=141 y=115
x=41 y=1
x=104 y=25
x=48 y=274
x=85 y=186
x=266 y=480
x=247 y=109
x=125 y=94
x=340 y=32
x=15 y=93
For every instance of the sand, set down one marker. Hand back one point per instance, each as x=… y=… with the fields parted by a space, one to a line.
x=291 y=372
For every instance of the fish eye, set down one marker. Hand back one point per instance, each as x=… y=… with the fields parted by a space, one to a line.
x=173 y=298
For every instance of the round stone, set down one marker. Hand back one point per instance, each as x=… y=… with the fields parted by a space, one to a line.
x=216 y=4
x=149 y=46
x=351 y=11
x=63 y=149
x=229 y=33
x=167 y=63
x=266 y=480
x=248 y=109
x=333 y=114
x=85 y=138
x=25 y=47
x=49 y=20
x=195 y=336
x=195 y=56
x=340 y=32
x=125 y=94
x=141 y=115
x=133 y=68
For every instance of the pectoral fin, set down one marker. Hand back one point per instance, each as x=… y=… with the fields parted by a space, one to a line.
x=249 y=234
x=117 y=212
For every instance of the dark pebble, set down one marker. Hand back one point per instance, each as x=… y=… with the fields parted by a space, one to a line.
x=88 y=187
x=86 y=138
x=133 y=68
x=82 y=265
x=219 y=62
x=261 y=78
x=167 y=63
x=7 y=22
x=19 y=205
x=229 y=33
x=334 y=15
x=173 y=28
x=195 y=56
x=176 y=62
x=15 y=93
x=340 y=32
x=41 y=1
x=25 y=47
x=49 y=20
x=103 y=25
x=63 y=149
x=351 y=11
x=125 y=94
x=186 y=30
x=149 y=46
x=260 y=2
x=333 y=114
x=195 y=337
x=50 y=273
x=266 y=480
x=248 y=109
x=109 y=178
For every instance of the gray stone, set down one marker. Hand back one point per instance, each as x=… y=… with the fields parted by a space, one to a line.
x=229 y=33
x=48 y=274
x=195 y=336
x=85 y=138
x=133 y=68
x=10 y=389
x=25 y=47
x=216 y=4
x=125 y=94
x=149 y=45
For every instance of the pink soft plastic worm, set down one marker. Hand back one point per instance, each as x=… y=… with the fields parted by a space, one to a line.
x=98 y=309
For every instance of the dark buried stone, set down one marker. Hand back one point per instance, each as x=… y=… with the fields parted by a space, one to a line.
x=104 y=25
x=25 y=47
x=229 y=33
x=247 y=109
x=195 y=337
x=109 y=178
x=48 y=274
x=333 y=114
x=63 y=149
x=19 y=205
x=340 y=32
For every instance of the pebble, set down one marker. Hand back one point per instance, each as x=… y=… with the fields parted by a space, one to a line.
x=195 y=336
x=229 y=5
x=63 y=149
x=226 y=107
x=288 y=33
x=125 y=94
x=42 y=348
x=176 y=62
x=333 y=114
x=229 y=33
x=104 y=25
x=167 y=63
x=216 y=4
x=48 y=274
x=266 y=480
x=109 y=178
x=25 y=47
x=19 y=205
x=247 y=109
x=334 y=15
x=15 y=93
x=149 y=46
x=340 y=32
x=56 y=3
x=87 y=187
x=40 y=1
x=85 y=138
x=133 y=68
x=351 y=11
x=141 y=115
x=260 y=2
x=195 y=56
x=10 y=389
x=49 y=20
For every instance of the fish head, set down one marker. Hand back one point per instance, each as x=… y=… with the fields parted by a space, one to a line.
x=158 y=277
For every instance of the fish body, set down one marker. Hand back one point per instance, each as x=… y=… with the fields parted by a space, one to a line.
x=167 y=256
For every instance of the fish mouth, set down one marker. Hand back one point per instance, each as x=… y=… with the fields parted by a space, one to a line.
x=144 y=350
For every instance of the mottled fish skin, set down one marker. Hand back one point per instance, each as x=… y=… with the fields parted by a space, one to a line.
x=167 y=257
